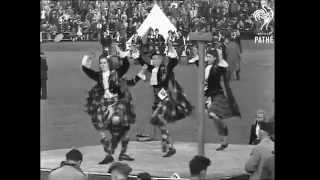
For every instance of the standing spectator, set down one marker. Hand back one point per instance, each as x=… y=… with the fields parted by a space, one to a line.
x=44 y=76
x=234 y=8
x=254 y=131
x=69 y=169
x=119 y=171
x=260 y=153
x=233 y=58
x=198 y=167
x=193 y=12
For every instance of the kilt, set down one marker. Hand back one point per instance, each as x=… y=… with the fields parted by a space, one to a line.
x=174 y=108
x=222 y=107
x=108 y=112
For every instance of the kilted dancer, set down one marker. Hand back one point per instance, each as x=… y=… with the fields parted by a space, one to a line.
x=220 y=103
x=110 y=103
x=170 y=103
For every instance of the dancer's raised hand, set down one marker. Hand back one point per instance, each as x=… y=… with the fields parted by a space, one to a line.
x=86 y=61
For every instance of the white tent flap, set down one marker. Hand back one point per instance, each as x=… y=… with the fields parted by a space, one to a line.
x=155 y=19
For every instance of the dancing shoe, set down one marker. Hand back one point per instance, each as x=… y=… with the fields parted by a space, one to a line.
x=108 y=159
x=143 y=138
x=222 y=147
x=125 y=157
x=164 y=147
x=171 y=152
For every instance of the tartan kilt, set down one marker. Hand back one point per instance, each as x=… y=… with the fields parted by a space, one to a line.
x=223 y=108
x=174 y=108
x=103 y=111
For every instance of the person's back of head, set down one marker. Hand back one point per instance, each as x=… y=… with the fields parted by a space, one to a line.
x=119 y=171
x=144 y=176
x=74 y=155
x=198 y=166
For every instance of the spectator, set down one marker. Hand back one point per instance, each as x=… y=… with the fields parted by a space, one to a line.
x=119 y=171
x=198 y=167
x=69 y=169
x=268 y=169
x=254 y=132
x=144 y=176
x=261 y=152
x=44 y=76
x=234 y=8
x=233 y=57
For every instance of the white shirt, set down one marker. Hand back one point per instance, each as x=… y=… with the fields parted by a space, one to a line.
x=105 y=80
x=154 y=77
x=43 y=14
x=207 y=72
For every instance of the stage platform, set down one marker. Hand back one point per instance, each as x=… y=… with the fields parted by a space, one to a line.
x=148 y=158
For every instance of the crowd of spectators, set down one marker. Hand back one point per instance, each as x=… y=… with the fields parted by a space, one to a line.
x=86 y=19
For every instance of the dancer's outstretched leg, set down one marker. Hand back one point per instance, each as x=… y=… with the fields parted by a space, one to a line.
x=106 y=143
x=166 y=140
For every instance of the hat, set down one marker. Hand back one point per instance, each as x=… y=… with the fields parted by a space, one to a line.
x=121 y=167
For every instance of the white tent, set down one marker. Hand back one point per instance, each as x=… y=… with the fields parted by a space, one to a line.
x=155 y=19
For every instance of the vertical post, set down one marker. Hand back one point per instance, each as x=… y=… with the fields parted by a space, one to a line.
x=201 y=38
x=201 y=97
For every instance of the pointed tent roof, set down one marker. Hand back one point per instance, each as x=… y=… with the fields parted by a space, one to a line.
x=155 y=19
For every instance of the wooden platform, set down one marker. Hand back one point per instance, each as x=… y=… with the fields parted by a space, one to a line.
x=227 y=163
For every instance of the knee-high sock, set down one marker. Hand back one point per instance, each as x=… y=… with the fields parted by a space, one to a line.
x=165 y=137
x=114 y=143
x=106 y=145
x=124 y=145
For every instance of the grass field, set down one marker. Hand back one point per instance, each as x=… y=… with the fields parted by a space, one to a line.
x=64 y=123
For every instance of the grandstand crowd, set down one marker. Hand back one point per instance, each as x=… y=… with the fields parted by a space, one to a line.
x=85 y=20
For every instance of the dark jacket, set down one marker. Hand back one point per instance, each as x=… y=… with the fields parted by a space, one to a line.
x=159 y=39
x=105 y=41
x=137 y=40
x=214 y=87
x=114 y=79
x=253 y=135
x=165 y=71
x=44 y=68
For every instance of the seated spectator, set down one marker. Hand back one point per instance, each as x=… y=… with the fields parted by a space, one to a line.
x=198 y=167
x=119 y=171
x=268 y=169
x=144 y=176
x=69 y=169
x=261 y=152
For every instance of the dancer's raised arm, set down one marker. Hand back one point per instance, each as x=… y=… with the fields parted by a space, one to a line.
x=85 y=65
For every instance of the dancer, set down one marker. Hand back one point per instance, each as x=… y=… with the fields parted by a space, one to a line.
x=109 y=102
x=169 y=105
x=219 y=106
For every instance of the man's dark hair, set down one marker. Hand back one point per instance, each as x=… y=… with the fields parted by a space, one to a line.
x=144 y=176
x=197 y=164
x=74 y=155
x=123 y=168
